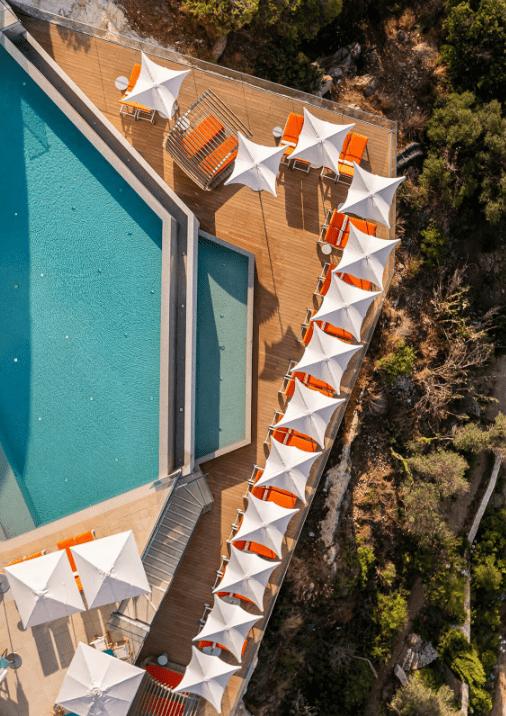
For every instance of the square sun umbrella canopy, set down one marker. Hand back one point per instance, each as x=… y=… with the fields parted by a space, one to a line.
x=97 y=684
x=370 y=196
x=287 y=468
x=110 y=569
x=256 y=166
x=365 y=256
x=157 y=87
x=321 y=142
x=345 y=306
x=207 y=676
x=326 y=358
x=246 y=574
x=309 y=412
x=228 y=625
x=264 y=522
x=44 y=589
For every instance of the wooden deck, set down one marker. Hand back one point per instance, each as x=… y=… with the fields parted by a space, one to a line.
x=282 y=232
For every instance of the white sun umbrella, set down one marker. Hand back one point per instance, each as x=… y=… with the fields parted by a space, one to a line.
x=44 y=589
x=157 y=86
x=265 y=522
x=110 y=569
x=345 y=306
x=206 y=676
x=246 y=574
x=228 y=625
x=321 y=142
x=326 y=358
x=288 y=468
x=309 y=412
x=370 y=195
x=97 y=684
x=366 y=256
x=256 y=166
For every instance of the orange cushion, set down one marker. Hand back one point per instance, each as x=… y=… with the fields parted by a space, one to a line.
x=15 y=561
x=66 y=544
x=203 y=133
x=221 y=157
x=365 y=227
x=131 y=83
x=283 y=498
x=358 y=282
x=328 y=278
x=84 y=537
x=79 y=583
x=164 y=676
x=33 y=556
x=295 y=439
x=256 y=548
x=293 y=128
x=356 y=148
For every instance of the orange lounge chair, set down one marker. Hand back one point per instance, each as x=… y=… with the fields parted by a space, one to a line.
x=337 y=231
x=69 y=542
x=256 y=548
x=164 y=676
x=348 y=278
x=294 y=439
x=137 y=108
x=353 y=150
x=27 y=557
x=283 y=498
x=204 y=132
x=308 y=380
x=221 y=157
x=307 y=329
x=88 y=536
x=292 y=130
x=15 y=561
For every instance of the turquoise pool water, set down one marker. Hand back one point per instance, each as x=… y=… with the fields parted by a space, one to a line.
x=80 y=265
x=222 y=336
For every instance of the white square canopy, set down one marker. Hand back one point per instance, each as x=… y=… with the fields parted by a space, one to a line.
x=110 y=569
x=321 y=142
x=370 y=196
x=206 y=676
x=366 y=256
x=97 y=684
x=345 y=306
x=246 y=574
x=256 y=165
x=157 y=87
x=44 y=589
x=228 y=625
x=309 y=412
x=287 y=468
x=265 y=523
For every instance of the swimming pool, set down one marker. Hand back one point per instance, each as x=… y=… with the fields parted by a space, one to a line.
x=80 y=267
x=222 y=347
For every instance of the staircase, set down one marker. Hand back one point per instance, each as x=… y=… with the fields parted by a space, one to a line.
x=190 y=499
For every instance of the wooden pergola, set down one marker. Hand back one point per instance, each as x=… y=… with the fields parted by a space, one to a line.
x=203 y=142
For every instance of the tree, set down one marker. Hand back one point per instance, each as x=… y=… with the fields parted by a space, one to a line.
x=462 y=658
x=423 y=514
x=471 y=439
x=475 y=52
x=467 y=157
x=445 y=468
x=417 y=699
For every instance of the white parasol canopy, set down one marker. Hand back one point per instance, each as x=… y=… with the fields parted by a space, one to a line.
x=97 y=684
x=228 y=625
x=44 y=589
x=157 y=87
x=370 y=195
x=321 y=142
x=256 y=166
x=309 y=412
x=366 y=256
x=287 y=468
x=247 y=574
x=265 y=522
x=326 y=358
x=206 y=676
x=110 y=569
x=345 y=306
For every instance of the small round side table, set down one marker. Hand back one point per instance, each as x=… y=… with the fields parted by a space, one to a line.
x=326 y=249
x=121 y=83
x=15 y=660
x=277 y=132
x=163 y=659
x=4 y=583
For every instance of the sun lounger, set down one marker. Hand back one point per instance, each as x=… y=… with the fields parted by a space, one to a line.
x=256 y=548
x=69 y=542
x=283 y=498
x=337 y=230
x=354 y=147
x=220 y=157
x=26 y=557
x=134 y=109
x=307 y=329
x=289 y=437
x=204 y=133
x=164 y=676
x=292 y=130
x=288 y=387
x=324 y=281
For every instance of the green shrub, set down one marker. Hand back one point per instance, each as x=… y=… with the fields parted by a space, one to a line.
x=471 y=439
x=424 y=514
x=475 y=52
x=366 y=559
x=418 y=699
x=391 y=613
x=486 y=575
x=434 y=246
x=445 y=468
x=401 y=361
x=288 y=66
x=463 y=660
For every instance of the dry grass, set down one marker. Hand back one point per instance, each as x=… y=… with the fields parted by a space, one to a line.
x=413 y=125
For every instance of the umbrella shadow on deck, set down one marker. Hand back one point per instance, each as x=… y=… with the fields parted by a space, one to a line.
x=12 y=698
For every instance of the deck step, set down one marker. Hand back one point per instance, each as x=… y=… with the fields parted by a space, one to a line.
x=189 y=499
